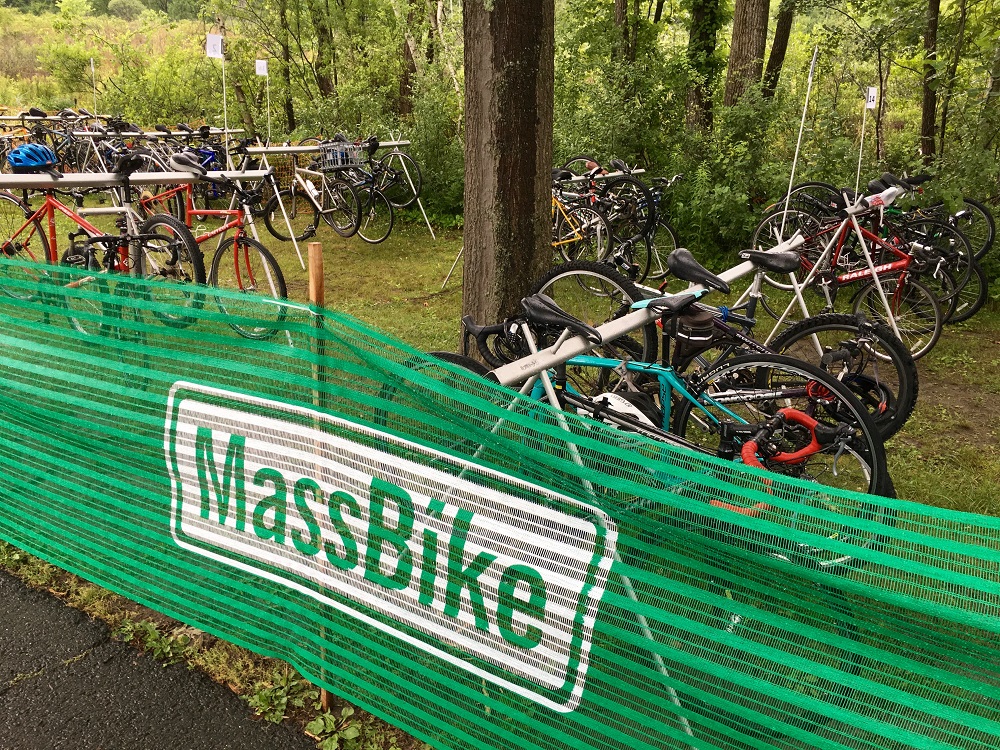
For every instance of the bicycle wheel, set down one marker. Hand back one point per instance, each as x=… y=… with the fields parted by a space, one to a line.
x=341 y=206
x=24 y=241
x=778 y=226
x=914 y=308
x=301 y=213
x=376 y=215
x=167 y=251
x=866 y=357
x=401 y=180
x=629 y=212
x=595 y=293
x=249 y=267
x=817 y=198
x=971 y=297
x=941 y=246
x=582 y=234
x=976 y=222
x=752 y=389
x=660 y=243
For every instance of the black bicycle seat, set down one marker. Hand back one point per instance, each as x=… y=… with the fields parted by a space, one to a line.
x=542 y=310
x=683 y=265
x=130 y=163
x=36 y=112
x=784 y=261
x=876 y=186
x=562 y=174
x=185 y=127
x=671 y=305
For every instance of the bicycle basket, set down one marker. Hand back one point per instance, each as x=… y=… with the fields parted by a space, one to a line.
x=338 y=155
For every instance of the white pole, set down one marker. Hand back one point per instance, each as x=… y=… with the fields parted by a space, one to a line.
x=267 y=87
x=93 y=78
x=225 y=109
x=798 y=144
x=861 y=149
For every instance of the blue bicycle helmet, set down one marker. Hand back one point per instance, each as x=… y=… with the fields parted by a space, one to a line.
x=30 y=158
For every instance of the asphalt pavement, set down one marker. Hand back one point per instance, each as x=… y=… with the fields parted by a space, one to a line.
x=66 y=684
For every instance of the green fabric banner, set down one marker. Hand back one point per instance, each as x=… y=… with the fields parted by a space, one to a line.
x=469 y=564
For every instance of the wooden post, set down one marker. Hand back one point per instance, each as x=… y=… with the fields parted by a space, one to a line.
x=317 y=289
x=317 y=296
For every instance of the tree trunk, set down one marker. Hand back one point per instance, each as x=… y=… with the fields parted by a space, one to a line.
x=779 y=46
x=706 y=19
x=319 y=13
x=659 y=10
x=746 y=53
x=509 y=79
x=963 y=14
x=286 y=66
x=928 y=113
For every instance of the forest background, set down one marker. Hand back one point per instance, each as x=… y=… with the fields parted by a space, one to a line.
x=710 y=88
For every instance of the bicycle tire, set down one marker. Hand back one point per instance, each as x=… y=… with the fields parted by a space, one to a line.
x=294 y=204
x=917 y=307
x=23 y=241
x=401 y=185
x=978 y=225
x=756 y=386
x=595 y=293
x=632 y=214
x=570 y=164
x=377 y=216
x=251 y=266
x=776 y=227
x=882 y=373
x=661 y=242
x=341 y=206
x=167 y=251
x=944 y=242
x=971 y=297
x=818 y=198
x=582 y=233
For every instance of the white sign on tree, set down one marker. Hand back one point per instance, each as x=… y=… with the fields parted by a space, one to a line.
x=213 y=46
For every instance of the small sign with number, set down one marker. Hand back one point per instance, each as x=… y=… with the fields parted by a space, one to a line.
x=213 y=45
x=262 y=67
x=872 y=97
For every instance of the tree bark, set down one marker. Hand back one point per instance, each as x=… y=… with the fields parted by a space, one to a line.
x=928 y=113
x=746 y=52
x=706 y=19
x=509 y=79
x=286 y=66
x=963 y=14
x=779 y=47
x=319 y=13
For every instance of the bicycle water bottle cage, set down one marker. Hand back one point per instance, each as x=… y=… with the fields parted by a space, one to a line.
x=683 y=265
x=541 y=309
x=783 y=261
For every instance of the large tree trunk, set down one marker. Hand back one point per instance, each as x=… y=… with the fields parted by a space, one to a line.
x=509 y=79
x=779 y=47
x=319 y=12
x=706 y=19
x=746 y=52
x=928 y=114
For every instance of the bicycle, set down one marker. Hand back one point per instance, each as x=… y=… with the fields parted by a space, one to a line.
x=160 y=247
x=863 y=354
x=717 y=411
x=335 y=200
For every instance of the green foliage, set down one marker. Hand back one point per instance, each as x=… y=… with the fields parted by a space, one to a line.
x=285 y=690
x=170 y=648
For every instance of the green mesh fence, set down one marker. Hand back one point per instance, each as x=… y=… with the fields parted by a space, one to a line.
x=466 y=563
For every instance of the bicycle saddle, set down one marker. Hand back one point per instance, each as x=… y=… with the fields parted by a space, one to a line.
x=85 y=113
x=671 y=305
x=783 y=261
x=185 y=127
x=371 y=145
x=68 y=114
x=542 y=309
x=876 y=186
x=340 y=138
x=907 y=183
x=161 y=128
x=683 y=265
x=186 y=162
x=36 y=112
x=617 y=165
x=129 y=163
x=562 y=174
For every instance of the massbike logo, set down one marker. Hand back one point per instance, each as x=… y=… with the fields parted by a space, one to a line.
x=497 y=576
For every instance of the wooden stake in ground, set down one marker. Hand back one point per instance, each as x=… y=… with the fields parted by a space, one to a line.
x=317 y=296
